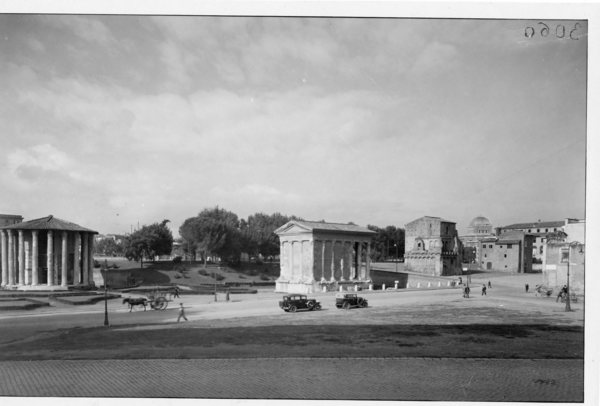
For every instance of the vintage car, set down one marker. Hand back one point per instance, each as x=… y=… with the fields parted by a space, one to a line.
x=349 y=300
x=291 y=303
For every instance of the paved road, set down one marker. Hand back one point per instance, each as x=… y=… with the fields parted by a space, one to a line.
x=300 y=378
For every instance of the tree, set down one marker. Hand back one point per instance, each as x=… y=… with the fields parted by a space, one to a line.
x=387 y=242
x=258 y=236
x=213 y=231
x=148 y=242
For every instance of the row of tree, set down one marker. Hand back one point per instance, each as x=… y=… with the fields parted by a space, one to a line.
x=218 y=232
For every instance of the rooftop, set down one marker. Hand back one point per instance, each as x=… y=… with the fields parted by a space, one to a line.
x=48 y=223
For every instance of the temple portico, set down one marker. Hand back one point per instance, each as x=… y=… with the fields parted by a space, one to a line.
x=318 y=254
x=45 y=254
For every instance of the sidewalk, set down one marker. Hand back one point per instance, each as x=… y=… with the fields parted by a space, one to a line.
x=301 y=378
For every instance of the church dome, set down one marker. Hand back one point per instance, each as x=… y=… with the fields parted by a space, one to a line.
x=480 y=225
x=480 y=221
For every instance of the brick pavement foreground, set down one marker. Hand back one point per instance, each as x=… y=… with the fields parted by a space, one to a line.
x=300 y=378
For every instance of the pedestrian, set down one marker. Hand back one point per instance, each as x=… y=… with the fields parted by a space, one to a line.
x=176 y=292
x=526 y=288
x=181 y=313
x=227 y=295
x=467 y=290
x=490 y=284
x=483 y=290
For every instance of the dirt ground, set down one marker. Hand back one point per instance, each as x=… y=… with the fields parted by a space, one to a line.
x=438 y=323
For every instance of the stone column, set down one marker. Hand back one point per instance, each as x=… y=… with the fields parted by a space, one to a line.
x=49 y=258
x=332 y=260
x=89 y=276
x=359 y=261
x=21 y=261
x=323 y=244
x=368 y=261
x=11 y=258
x=34 y=258
x=63 y=260
x=86 y=255
x=3 y=253
x=27 y=263
x=77 y=264
x=351 y=274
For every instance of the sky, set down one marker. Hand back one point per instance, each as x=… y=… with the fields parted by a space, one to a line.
x=115 y=121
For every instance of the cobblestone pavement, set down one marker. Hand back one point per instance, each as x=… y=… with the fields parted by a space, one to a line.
x=300 y=378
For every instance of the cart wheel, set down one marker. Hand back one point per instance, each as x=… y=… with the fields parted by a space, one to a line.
x=160 y=303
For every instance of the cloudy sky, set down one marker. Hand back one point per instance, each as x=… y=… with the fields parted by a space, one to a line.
x=111 y=121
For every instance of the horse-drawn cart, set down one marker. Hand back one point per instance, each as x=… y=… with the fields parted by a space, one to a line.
x=158 y=298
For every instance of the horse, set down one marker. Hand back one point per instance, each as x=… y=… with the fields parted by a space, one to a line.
x=138 y=301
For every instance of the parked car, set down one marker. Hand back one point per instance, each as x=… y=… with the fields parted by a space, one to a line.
x=291 y=303
x=349 y=300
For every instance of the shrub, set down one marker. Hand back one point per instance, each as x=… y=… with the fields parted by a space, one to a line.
x=241 y=276
x=202 y=272
x=96 y=264
x=219 y=277
x=177 y=260
x=177 y=275
x=264 y=277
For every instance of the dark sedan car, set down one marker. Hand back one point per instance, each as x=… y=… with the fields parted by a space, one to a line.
x=291 y=303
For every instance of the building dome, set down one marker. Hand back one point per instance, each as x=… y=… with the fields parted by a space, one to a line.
x=480 y=225
x=480 y=221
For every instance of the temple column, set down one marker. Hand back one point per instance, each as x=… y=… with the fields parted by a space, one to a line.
x=49 y=258
x=351 y=273
x=368 y=261
x=359 y=261
x=27 y=263
x=86 y=256
x=34 y=258
x=63 y=260
x=89 y=276
x=3 y=253
x=77 y=264
x=323 y=244
x=11 y=258
x=21 y=261
x=332 y=260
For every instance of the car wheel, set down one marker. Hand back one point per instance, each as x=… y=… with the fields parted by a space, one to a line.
x=310 y=304
x=292 y=309
x=318 y=307
x=346 y=306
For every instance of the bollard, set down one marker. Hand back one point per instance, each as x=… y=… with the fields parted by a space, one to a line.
x=324 y=288
x=370 y=286
x=418 y=285
x=396 y=284
x=439 y=284
x=448 y=283
x=428 y=284
x=356 y=288
x=341 y=288
x=383 y=287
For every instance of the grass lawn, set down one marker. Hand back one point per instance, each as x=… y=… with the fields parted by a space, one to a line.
x=435 y=341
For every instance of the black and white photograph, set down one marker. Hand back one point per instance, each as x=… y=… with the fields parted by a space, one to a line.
x=266 y=202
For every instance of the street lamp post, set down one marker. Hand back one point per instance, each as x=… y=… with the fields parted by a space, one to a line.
x=396 y=245
x=105 y=293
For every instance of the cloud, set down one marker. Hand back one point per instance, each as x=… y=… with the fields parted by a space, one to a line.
x=436 y=57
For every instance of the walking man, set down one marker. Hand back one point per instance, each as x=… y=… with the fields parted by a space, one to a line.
x=490 y=284
x=483 y=290
x=181 y=313
x=526 y=288
x=176 y=292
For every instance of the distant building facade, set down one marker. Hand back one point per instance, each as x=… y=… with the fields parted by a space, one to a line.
x=314 y=255
x=565 y=258
x=432 y=247
x=9 y=219
x=46 y=254
x=508 y=252
x=540 y=230
x=479 y=229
